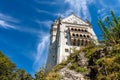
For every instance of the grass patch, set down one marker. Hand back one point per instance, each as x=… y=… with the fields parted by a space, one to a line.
x=89 y=52
x=77 y=68
x=53 y=76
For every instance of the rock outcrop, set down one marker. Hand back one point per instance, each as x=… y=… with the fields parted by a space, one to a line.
x=68 y=74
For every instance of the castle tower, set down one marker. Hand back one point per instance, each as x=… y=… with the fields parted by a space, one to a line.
x=67 y=33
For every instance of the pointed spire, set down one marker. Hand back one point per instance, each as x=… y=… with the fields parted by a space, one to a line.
x=59 y=20
x=73 y=13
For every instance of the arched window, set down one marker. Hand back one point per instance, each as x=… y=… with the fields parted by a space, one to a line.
x=80 y=35
x=78 y=29
x=73 y=34
x=78 y=42
x=82 y=30
x=75 y=29
x=86 y=42
x=74 y=42
x=72 y=29
x=86 y=31
x=84 y=36
x=88 y=36
x=77 y=35
x=82 y=42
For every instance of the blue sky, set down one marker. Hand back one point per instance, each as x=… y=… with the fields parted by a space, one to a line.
x=25 y=26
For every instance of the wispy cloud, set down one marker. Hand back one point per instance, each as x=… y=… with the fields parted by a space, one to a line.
x=42 y=50
x=6 y=21
x=66 y=13
x=80 y=7
x=6 y=25
x=105 y=6
x=44 y=23
x=44 y=11
x=7 y=18
x=49 y=13
x=109 y=4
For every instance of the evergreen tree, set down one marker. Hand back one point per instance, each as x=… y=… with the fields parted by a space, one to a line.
x=40 y=75
x=8 y=70
x=6 y=67
x=111 y=29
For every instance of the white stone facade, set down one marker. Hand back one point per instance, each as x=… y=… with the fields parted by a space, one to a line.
x=68 y=33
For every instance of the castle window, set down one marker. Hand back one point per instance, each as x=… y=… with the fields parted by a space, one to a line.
x=65 y=36
x=82 y=30
x=66 y=42
x=78 y=29
x=72 y=29
x=75 y=29
x=80 y=35
x=82 y=42
x=86 y=31
x=78 y=42
x=66 y=50
x=88 y=36
x=77 y=35
x=84 y=36
x=73 y=34
x=86 y=42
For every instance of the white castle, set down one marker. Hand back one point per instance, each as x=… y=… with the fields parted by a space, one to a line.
x=68 y=33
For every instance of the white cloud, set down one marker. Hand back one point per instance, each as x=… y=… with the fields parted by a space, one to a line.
x=7 y=18
x=64 y=14
x=109 y=4
x=45 y=23
x=105 y=6
x=49 y=13
x=7 y=21
x=42 y=50
x=5 y=25
x=80 y=7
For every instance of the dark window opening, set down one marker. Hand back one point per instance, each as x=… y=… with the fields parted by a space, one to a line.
x=82 y=30
x=72 y=29
x=66 y=50
x=84 y=36
x=88 y=36
x=66 y=42
x=77 y=35
x=75 y=29
x=86 y=31
x=80 y=35
x=73 y=34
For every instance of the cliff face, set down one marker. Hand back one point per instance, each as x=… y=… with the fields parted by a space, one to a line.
x=91 y=63
x=75 y=70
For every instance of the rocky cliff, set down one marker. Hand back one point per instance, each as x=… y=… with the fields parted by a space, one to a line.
x=90 y=63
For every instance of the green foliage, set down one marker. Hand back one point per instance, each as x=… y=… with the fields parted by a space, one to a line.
x=111 y=29
x=108 y=66
x=53 y=76
x=89 y=51
x=40 y=75
x=60 y=66
x=77 y=68
x=73 y=61
x=20 y=74
x=6 y=67
x=8 y=70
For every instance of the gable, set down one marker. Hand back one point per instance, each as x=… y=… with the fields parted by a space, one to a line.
x=74 y=19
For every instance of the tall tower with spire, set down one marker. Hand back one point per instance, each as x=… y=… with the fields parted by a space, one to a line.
x=67 y=33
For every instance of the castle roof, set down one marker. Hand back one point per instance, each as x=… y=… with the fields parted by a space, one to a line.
x=74 y=19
